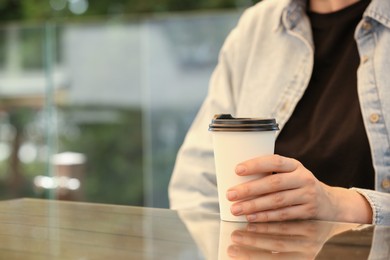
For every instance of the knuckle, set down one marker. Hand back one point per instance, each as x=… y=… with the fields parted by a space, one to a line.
x=283 y=215
x=264 y=217
x=310 y=181
x=278 y=200
x=250 y=206
x=246 y=190
x=311 y=192
x=278 y=161
x=312 y=211
x=275 y=182
x=298 y=164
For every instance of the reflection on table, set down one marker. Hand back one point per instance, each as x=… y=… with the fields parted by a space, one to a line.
x=48 y=229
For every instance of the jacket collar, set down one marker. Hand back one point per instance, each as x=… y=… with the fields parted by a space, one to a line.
x=379 y=10
x=293 y=15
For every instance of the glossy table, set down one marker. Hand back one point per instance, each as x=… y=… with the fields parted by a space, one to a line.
x=48 y=229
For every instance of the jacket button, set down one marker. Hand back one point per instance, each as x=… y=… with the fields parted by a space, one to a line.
x=366 y=26
x=374 y=118
x=386 y=184
x=364 y=59
x=285 y=106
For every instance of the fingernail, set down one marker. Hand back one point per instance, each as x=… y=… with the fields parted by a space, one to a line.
x=236 y=209
x=232 y=195
x=240 y=169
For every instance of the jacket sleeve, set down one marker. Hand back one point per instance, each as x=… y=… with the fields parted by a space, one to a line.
x=380 y=204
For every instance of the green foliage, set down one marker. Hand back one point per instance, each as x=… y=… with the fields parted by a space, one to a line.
x=16 y=177
x=10 y=10
x=20 y=117
x=3 y=170
x=114 y=172
x=33 y=9
x=42 y=9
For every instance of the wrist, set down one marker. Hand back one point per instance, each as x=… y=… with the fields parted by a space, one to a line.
x=352 y=206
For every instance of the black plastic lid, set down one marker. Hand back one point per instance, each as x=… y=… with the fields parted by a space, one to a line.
x=227 y=123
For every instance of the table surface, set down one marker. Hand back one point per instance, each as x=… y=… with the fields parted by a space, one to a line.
x=49 y=229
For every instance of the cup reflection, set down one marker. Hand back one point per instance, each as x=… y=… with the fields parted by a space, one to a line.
x=204 y=229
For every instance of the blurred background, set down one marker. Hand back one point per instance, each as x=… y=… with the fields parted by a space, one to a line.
x=96 y=95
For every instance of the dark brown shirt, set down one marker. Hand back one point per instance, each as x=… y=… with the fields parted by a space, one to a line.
x=326 y=131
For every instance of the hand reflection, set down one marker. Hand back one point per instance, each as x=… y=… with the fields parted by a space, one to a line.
x=282 y=240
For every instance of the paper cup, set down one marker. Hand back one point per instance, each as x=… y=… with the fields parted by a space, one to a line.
x=236 y=140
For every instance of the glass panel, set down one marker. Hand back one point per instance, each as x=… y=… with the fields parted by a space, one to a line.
x=95 y=110
x=182 y=52
x=23 y=86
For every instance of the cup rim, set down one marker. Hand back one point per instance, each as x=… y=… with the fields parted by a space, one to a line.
x=226 y=122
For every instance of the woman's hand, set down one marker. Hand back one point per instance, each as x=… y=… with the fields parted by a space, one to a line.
x=293 y=193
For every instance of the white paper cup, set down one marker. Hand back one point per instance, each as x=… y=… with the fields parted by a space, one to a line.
x=236 y=140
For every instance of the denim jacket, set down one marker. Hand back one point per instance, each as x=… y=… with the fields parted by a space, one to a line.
x=264 y=68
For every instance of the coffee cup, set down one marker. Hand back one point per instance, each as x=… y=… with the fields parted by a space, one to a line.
x=236 y=140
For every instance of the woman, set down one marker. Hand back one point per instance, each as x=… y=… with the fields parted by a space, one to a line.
x=320 y=68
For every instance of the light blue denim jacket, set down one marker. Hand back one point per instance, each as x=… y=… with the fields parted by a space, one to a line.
x=264 y=68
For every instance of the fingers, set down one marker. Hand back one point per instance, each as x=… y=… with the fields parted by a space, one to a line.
x=294 y=193
x=267 y=164
x=270 y=184
x=304 y=211
x=270 y=201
